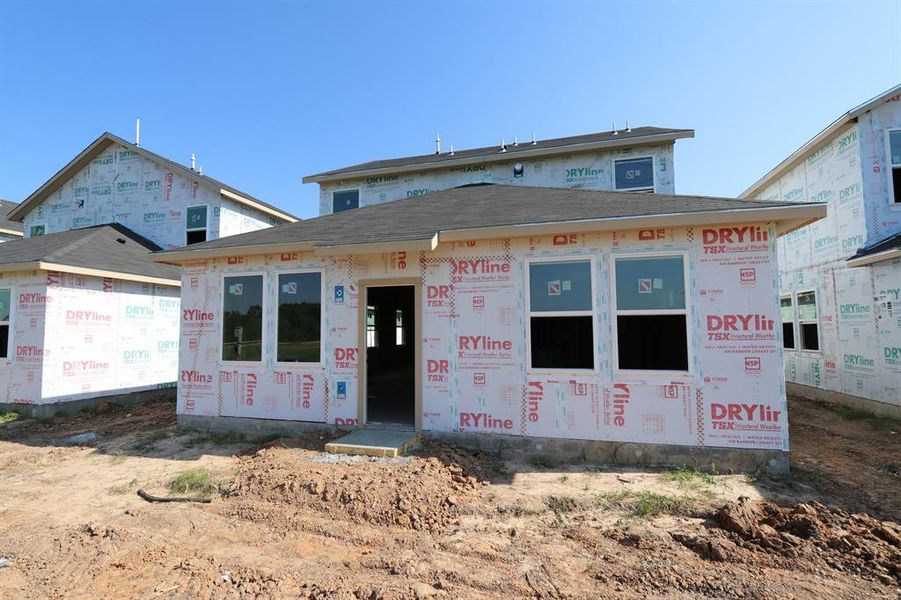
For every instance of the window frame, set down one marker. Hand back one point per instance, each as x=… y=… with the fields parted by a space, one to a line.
x=358 y=190
x=322 y=290
x=798 y=322
x=653 y=187
x=263 y=335
x=794 y=319
x=561 y=313
x=33 y=225
x=614 y=313
x=11 y=322
x=890 y=170
x=206 y=228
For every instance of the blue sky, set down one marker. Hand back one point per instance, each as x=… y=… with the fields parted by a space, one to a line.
x=267 y=92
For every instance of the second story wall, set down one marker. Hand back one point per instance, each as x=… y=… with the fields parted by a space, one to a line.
x=830 y=174
x=122 y=186
x=235 y=218
x=594 y=171
x=883 y=215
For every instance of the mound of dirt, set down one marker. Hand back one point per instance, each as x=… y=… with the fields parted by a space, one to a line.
x=410 y=492
x=812 y=532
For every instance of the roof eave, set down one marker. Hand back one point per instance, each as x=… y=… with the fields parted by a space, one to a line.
x=502 y=157
x=786 y=218
x=179 y=257
x=40 y=265
x=869 y=259
x=11 y=232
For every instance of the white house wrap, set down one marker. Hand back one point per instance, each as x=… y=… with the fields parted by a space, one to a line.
x=477 y=302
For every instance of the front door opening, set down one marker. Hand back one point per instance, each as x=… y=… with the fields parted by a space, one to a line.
x=390 y=355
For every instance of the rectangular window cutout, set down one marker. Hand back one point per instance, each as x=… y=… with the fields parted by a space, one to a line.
x=809 y=336
x=195 y=224
x=195 y=237
x=36 y=230
x=651 y=313
x=299 y=317
x=562 y=342
x=787 y=310
x=242 y=318
x=634 y=174
x=5 y=310
x=808 y=321
x=650 y=283
x=894 y=143
x=896 y=183
x=560 y=286
x=561 y=322
x=788 y=335
x=345 y=200
x=652 y=342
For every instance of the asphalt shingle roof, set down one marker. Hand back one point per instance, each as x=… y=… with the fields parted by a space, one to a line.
x=5 y=223
x=434 y=160
x=473 y=207
x=110 y=247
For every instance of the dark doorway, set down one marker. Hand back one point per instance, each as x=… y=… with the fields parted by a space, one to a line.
x=390 y=355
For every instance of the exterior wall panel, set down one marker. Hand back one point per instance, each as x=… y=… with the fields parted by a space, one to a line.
x=107 y=336
x=730 y=397
x=857 y=321
x=121 y=186
x=589 y=171
x=21 y=372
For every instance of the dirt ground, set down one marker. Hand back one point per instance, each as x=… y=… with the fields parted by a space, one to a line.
x=288 y=521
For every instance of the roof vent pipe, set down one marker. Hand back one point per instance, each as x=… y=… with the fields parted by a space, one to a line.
x=452 y=150
x=138 y=131
x=193 y=162
x=437 y=143
x=613 y=126
x=515 y=141
x=503 y=145
x=534 y=141
x=200 y=171
x=628 y=129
